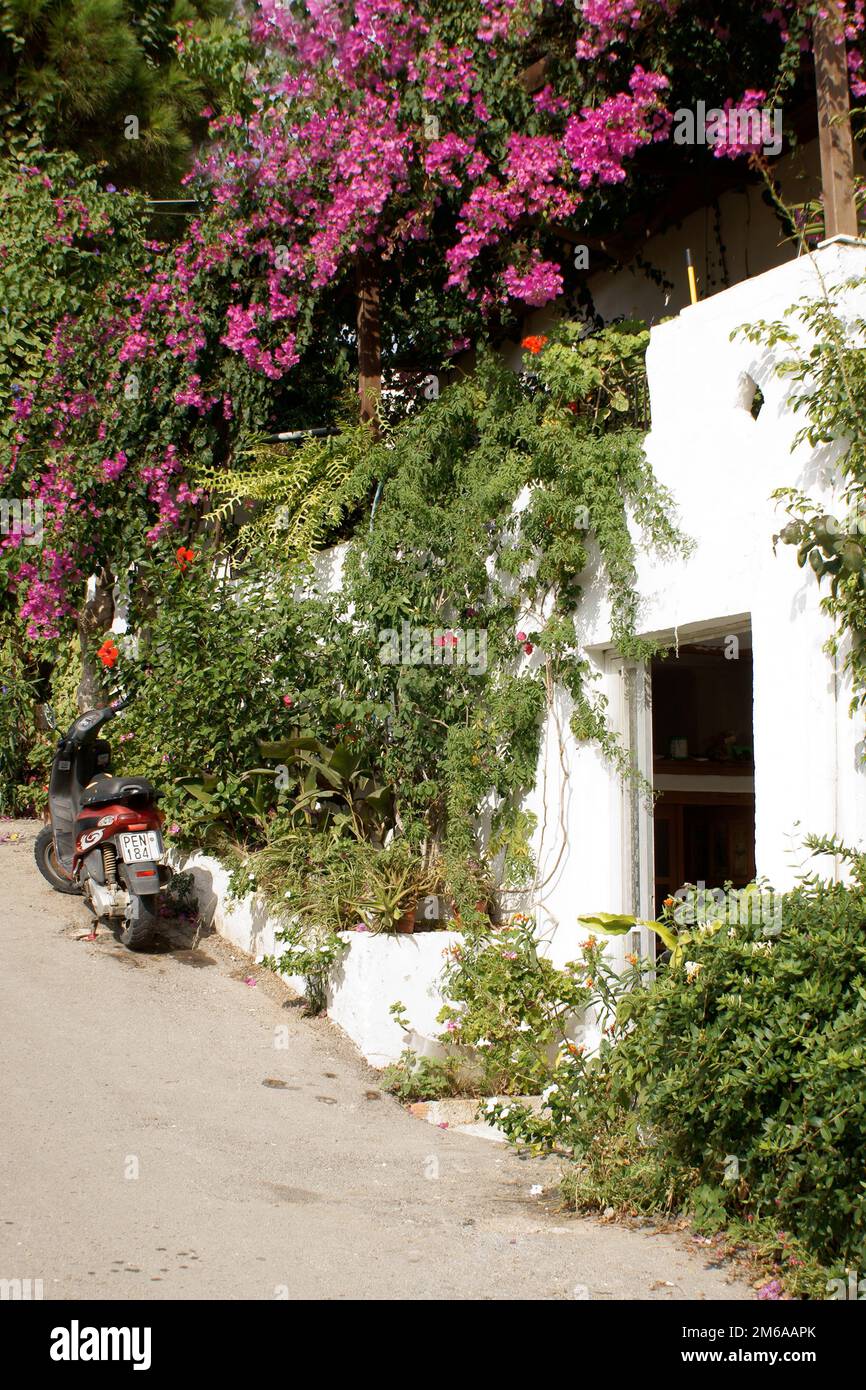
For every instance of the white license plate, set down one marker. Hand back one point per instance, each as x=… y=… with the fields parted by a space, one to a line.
x=141 y=848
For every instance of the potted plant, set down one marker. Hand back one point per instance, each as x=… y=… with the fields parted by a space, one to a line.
x=395 y=880
x=470 y=887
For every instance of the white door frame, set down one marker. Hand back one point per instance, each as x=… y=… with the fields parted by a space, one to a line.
x=631 y=718
x=632 y=722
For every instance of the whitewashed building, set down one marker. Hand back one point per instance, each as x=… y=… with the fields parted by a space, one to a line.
x=744 y=729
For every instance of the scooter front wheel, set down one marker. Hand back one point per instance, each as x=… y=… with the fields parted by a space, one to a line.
x=139 y=925
x=46 y=862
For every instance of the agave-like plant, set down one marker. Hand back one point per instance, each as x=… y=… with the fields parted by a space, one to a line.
x=247 y=797
x=337 y=789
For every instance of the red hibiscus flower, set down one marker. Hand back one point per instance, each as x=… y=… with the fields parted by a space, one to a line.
x=108 y=653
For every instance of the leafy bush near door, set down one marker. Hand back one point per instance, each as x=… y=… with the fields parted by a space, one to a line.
x=732 y=1082
x=511 y=1005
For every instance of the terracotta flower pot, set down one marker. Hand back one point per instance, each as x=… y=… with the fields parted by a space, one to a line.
x=406 y=923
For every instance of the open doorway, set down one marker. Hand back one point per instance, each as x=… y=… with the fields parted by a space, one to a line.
x=703 y=765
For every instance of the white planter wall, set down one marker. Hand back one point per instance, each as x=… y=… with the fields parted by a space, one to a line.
x=373 y=973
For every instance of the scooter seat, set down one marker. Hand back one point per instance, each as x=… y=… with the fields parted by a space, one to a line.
x=105 y=789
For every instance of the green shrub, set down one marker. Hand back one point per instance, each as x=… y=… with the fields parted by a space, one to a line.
x=509 y=1004
x=214 y=664
x=733 y=1081
x=17 y=734
x=26 y=748
x=413 y=1078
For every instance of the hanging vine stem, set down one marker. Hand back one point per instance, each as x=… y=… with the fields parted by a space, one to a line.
x=553 y=717
x=538 y=885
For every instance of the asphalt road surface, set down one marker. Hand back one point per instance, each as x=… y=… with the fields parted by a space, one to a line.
x=145 y=1157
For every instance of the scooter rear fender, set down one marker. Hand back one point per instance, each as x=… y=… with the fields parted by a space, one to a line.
x=104 y=823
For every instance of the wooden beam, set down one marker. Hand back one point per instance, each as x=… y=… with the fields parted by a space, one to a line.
x=834 y=126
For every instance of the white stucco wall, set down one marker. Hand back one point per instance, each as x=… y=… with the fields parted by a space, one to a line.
x=721 y=466
x=374 y=972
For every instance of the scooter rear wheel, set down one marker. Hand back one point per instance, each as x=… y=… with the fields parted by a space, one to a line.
x=139 y=926
x=46 y=862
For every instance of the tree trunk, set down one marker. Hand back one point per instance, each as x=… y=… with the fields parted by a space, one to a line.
x=369 y=336
x=96 y=615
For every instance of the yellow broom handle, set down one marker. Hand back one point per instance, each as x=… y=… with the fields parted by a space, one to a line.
x=693 y=284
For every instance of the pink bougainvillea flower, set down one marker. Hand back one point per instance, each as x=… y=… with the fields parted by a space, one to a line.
x=521 y=636
x=287 y=700
x=536 y=284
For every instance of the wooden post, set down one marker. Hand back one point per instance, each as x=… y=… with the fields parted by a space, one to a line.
x=834 y=126
x=369 y=336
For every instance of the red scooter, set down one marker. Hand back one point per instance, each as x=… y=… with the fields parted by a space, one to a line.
x=104 y=840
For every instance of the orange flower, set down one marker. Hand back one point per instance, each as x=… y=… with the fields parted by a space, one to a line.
x=184 y=557
x=108 y=653
x=534 y=343
x=669 y=902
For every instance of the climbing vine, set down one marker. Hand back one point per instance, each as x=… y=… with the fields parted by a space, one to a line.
x=455 y=619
